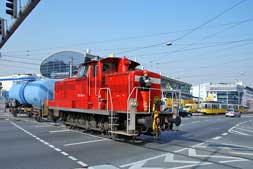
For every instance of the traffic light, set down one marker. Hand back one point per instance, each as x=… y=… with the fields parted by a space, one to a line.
x=2 y=28
x=12 y=8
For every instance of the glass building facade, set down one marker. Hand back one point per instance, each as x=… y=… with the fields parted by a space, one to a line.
x=226 y=93
x=58 y=65
x=173 y=84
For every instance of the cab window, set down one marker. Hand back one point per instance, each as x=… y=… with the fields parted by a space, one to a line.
x=82 y=71
x=109 y=67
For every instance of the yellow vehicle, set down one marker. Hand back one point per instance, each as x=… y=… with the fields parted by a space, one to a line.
x=212 y=108
x=238 y=108
x=191 y=108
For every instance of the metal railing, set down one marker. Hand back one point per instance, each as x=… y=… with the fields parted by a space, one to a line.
x=136 y=90
x=108 y=95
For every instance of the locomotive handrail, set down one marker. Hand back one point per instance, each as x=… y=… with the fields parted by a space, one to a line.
x=136 y=95
x=108 y=90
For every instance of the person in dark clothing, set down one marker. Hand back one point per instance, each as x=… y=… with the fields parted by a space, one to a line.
x=145 y=81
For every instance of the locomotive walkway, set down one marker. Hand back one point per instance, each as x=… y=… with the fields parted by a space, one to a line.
x=203 y=141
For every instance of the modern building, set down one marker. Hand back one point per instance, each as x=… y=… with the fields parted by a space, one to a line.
x=228 y=93
x=200 y=91
x=179 y=87
x=61 y=65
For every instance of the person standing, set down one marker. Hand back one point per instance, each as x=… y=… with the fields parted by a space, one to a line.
x=145 y=83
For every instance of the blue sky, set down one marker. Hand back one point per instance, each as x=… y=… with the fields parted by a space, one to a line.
x=219 y=52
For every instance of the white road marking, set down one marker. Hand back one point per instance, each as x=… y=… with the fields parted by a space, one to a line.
x=234 y=145
x=72 y=158
x=40 y=126
x=177 y=151
x=46 y=143
x=141 y=161
x=82 y=163
x=193 y=153
x=239 y=128
x=234 y=131
x=224 y=134
x=59 y=131
x=64 y=153
x=198 y=145
x=85 y=142
x=217 y=138
x=57 y=149
x=50 y=145
x=240 y=153
x=86 y=134
x=237 y=132
x=169 y=157
x=154 y=157
x=190 y=166
x=53 y=125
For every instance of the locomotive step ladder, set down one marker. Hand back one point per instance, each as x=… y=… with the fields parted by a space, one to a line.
x=130 y=130
x=113 y=117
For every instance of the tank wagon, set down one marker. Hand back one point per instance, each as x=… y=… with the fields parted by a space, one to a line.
x=30 y=97
x=106 y=95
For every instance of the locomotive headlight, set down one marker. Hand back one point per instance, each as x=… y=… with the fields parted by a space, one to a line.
x=134 y=103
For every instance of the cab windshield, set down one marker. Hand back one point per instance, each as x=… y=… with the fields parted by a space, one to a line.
x=109 y=67
x=82 y=71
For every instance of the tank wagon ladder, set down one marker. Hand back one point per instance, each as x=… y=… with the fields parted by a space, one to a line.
x=113 y=117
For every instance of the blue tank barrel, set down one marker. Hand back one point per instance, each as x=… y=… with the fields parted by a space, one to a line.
x=33 y=93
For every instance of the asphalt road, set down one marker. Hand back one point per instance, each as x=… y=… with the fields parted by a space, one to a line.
x=201 y=142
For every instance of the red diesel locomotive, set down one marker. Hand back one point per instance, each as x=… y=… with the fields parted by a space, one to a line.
x=106 y=96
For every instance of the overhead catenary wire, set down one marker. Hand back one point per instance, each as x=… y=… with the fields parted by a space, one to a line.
x=18 y=57
x=226 y=29
x=22 y=62
x=218 y=64
x=206 y=37
x=230 y=61
x=116 y=40
x=189 y=32
x=196 y=48
x=205 y=43
x=11 y=66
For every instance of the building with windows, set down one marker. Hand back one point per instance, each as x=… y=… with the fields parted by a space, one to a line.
x=177 y=89
x=200 y=91
x=61 y=65
x=173 y=84
x=227 y=93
